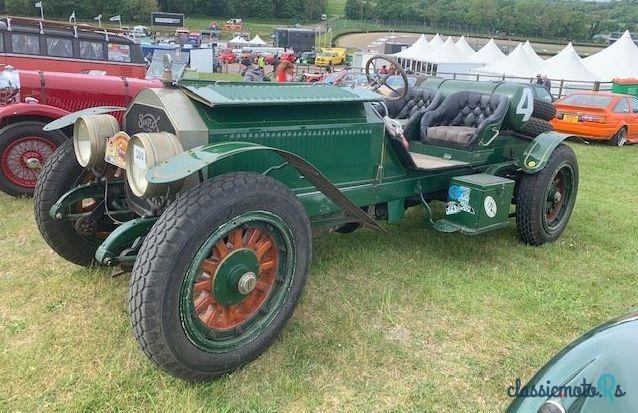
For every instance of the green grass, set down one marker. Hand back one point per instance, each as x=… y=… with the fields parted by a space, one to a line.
x=416 y=320
x=262 y=27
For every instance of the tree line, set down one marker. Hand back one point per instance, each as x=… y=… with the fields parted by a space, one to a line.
x=140 y=10
x=558 y=19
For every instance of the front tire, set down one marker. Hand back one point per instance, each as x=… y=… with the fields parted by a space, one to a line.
x=190 y=311
x=24 y=148
x=59 y=174
x=545 y=200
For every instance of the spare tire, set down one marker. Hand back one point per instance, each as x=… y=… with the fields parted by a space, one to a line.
x=544 y=110
x=534 y=127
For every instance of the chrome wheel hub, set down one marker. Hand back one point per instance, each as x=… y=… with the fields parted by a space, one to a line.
x=247 y=282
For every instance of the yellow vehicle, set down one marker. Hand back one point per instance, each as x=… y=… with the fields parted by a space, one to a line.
x=331 y=56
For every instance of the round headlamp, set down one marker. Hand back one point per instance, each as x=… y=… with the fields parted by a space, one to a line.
x=144 y=151
x=9 y=85
x=89 y=138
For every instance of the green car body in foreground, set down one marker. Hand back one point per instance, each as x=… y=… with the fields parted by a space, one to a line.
x=220 y=187
x=595 y=373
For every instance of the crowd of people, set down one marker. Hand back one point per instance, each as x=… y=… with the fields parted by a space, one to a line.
x=253 y=69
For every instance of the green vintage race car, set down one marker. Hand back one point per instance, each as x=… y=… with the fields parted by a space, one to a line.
x=212 y=193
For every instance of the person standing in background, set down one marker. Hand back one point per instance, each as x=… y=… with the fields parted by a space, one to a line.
x=285 y=72
x=547 y=83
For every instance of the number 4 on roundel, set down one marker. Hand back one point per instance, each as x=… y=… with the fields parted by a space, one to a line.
x=525 y=106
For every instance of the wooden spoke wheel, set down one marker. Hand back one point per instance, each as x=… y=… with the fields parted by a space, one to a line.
x=236 y=279
x=546 y=199
x=219 y=275
x=560 y=189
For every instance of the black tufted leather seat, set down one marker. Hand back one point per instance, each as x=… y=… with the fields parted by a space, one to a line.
x=409 y=109
x=464 y=117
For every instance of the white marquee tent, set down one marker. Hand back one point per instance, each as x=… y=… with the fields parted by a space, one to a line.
x=436 y=42
x=237 y=41
x=256 y=41
x=464 y=47
x=488 y=54
x=566 y=51
x=532 y=53
x=415 y=51
x=517 y=63
x=566 y=65
x=446 y=58
x=619 y=60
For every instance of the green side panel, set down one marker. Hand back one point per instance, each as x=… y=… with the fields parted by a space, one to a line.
x=272 y=93
x=535 y=156
x=480 y=202
x=344 y=142
x=123 y=237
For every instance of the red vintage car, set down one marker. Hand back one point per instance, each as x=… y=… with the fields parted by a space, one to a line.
x=34 y=44
x=30 y=99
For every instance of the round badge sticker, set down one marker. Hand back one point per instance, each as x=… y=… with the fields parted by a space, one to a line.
x=490 y=206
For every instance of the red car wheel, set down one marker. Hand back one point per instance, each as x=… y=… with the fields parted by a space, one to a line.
x=24 y=148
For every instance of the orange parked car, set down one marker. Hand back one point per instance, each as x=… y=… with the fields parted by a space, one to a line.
x=598 y=115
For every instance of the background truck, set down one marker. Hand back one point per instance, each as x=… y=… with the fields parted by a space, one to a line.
x=299 y=40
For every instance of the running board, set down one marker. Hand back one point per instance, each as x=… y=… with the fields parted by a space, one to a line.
x=428 y=163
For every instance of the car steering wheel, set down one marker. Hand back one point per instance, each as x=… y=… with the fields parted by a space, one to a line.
x=378 y=80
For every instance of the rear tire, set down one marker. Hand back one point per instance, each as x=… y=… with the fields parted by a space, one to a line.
x=534 y=127
x=545 y=199
x=180 y=320
x=544 y=110
x=24 y=149
x=619 y=138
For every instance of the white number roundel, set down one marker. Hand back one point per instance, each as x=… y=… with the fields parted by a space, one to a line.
x=525 y=106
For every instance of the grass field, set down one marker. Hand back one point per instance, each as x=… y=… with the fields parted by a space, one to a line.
x=262 y=27
x=413 y=321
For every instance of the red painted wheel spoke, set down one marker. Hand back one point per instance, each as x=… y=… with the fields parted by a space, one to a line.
x=254 y=237
x=209 y=266
x=247 y=306
x=202 y=301
x=222 y=250
x=237 y=238
x=267 y=265
x=203 y=285
x=262 y=286
x=263 y=248
x=208 y=316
